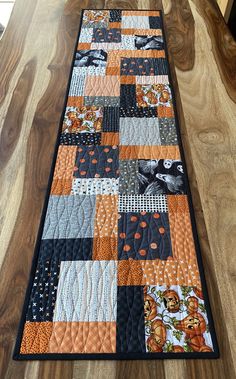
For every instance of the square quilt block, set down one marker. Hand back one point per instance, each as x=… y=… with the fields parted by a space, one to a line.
x=96 y=162
x=132 y=22
x=86 y=58
x=83 y=291
x=106 y=35
x=153 y=95
x=161 y=176
x=149 y=42
x=82 y=120
x=70 y=217
x=187 y=326
x=95 y=18
x=144 y=235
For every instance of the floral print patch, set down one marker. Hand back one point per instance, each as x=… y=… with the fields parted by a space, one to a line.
x=175 y=320
x=83 y=120
x=153 y=95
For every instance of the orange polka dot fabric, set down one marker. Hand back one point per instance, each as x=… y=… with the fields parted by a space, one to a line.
x=117 y=272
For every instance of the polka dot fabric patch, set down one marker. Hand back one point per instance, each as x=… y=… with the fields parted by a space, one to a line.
x=117 y=272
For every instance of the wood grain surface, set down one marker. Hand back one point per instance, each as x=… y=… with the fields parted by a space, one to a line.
x=36 y=52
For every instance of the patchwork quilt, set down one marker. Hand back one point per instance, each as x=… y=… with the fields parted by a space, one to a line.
x=117 y=272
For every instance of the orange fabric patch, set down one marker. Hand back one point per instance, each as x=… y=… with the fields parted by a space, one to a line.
x=141 y=13
x=113 y=58
x=149 y=152
x=65 y=162
x=36 y=337
x=102 y=86
x=163 y=112
x=130 y=273
x=157 y=272
x=83 y=46
x=142 y=32
x=110 y=138
x=113 y=71
x=61 y=187
x=83 y=337
x=105 y=249
x=170 y=272
x=129 y=79
x=114 y=25
x=106 y=217
x=181 y=229
x=75 y=101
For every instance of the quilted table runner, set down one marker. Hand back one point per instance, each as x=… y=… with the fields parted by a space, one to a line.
x=117 y=272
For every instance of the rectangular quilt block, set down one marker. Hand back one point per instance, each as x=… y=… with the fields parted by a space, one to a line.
x=117 y=272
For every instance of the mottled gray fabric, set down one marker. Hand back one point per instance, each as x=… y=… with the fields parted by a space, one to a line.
x=112 y=101
x=139 y=131
x=70 y=217
x=128 y=182
x=168 y=132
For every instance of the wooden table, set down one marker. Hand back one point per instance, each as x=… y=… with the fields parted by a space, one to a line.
x=36 y=53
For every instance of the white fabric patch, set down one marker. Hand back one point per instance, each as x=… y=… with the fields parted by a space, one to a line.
x=86 y=35
x=87 y=291
x=95 y=186
x=139 y=203
x=156 y=79
x=127 y=42
x=91 y=70
x=77 y=84
x=105 y=46
x=135 y=22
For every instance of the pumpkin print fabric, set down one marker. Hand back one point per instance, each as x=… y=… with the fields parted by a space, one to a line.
x=117 y=271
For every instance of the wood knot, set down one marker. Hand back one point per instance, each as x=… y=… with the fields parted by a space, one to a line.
x=211 y=137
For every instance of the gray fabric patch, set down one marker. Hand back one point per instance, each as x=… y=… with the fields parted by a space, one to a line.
x=111 y=101
x=70 y=217
x=128 y=182
x=168 y=132
x=139 y=131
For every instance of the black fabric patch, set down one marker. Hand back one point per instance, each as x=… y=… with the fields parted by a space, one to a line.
x=106 y=35
x=155 y=22
x=149 y=42
x=163 y=176
x=80 y=139
x=97 y=161
x=127 y=96
x=147 y=235
x=130 y=320
x=110 y=122
x=67 y=249
x=143 y=66
x=85 y=58
x=138 y=112
x=115 y=15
